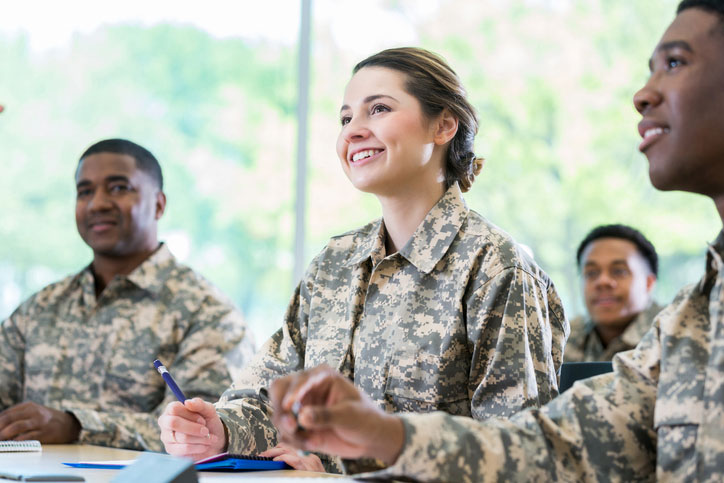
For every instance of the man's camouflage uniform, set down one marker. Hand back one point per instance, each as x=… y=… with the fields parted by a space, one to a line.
x=658 y=416
x=64 y=349
x=584 y=344
x=459 y=320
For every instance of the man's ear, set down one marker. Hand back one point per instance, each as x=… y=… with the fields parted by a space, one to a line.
x=160 y=204
x=446 y=126
x=650 y=282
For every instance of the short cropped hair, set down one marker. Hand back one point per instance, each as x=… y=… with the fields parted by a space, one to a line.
x=624 y=232
x=145 y=161
x=713 y=6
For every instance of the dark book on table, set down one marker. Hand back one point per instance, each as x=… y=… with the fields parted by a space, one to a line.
x=239 y=462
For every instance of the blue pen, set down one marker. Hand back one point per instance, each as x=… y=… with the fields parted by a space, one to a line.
x=169 y=380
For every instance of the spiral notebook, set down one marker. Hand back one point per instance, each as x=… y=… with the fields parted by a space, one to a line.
x=20 y=446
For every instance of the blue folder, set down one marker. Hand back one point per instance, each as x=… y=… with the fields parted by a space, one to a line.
x=238 y=462
x=220 y=462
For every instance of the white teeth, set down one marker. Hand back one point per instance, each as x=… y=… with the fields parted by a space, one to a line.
x=365 y=154
x=654 y=131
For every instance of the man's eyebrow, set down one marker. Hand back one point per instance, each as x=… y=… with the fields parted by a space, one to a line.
x=620 y=261
x=109 y=179
x=672 y=44
x=116 y=177
x=369 y=99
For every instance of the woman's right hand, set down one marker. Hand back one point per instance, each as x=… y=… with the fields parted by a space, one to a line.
x=192 y=429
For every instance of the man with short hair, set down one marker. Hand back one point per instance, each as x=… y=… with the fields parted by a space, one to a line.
x=618 y=267
x=76 y=357
x=660 y=414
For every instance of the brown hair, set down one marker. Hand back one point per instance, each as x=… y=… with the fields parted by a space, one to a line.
x=437 y=87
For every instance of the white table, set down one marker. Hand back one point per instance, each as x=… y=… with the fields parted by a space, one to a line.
x=53 y=455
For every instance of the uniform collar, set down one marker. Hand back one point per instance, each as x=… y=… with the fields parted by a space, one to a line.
x=437 y=231
x=632 y=335
x=372 y=245
x=150 y=274
x=714 y=257
x=431 y=239
x=634 y=331
x=147 y=276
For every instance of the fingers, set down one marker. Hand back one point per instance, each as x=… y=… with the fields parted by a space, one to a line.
x=199 y=406
x=34 y=434
x=292 y=459
x=284 y=394
x=320 y=417
x=195 y=451
x=175 y=437
x=179 y=409
x=275 y=451
x=289 y=455
x=16 y=428
x=309 y=462
x=182 y=426
x=278 y=389
x=308 y=387
x=21 y=418
x=177 y=417
x=181 y=444
x=186 y=429
x=24 y=410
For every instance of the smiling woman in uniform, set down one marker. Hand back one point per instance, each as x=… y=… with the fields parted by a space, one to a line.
x=430 y=307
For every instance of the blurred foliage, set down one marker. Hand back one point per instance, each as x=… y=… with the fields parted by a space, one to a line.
x=218 y=114
x=552 y=81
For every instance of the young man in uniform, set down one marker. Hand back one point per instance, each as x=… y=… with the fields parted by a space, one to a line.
x=618 y=267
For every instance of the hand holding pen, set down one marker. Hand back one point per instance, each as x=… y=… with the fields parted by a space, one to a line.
x=190 y=427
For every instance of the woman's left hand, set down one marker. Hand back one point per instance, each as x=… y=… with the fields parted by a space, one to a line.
x=284 y=452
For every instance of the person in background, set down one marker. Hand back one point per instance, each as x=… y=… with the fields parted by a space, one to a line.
x=619 y=267
x=431 y=307
x=660 y=414
x=76 y=357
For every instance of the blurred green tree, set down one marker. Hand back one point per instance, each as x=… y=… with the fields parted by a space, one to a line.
x=552 y=81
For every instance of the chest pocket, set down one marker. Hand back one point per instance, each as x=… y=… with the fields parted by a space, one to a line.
x=422 y=380
x=678 y=414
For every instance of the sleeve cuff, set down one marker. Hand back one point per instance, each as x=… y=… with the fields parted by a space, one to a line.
x=89 y=421
x=419 y=440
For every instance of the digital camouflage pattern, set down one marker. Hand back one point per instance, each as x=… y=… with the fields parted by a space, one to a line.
x=459 y=320
x=658 y=416
x=64 y=349
x=584 y=344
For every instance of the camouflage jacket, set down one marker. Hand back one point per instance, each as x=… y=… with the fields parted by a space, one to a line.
x=658 y=416
x=584 y=344
x=459 y=320
x=64 y=349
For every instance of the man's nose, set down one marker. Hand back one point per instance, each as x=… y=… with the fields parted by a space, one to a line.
x=99 y=201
